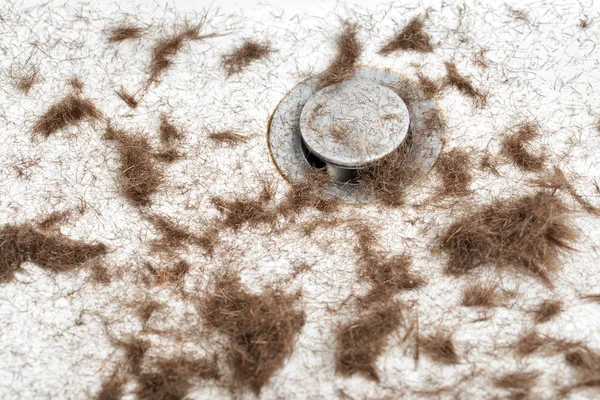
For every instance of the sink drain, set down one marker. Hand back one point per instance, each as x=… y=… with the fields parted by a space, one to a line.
x=348 y=127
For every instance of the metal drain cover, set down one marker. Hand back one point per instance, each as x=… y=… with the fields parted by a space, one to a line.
x=350 y=125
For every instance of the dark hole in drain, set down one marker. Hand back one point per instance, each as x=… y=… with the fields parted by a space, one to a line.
x=341 y=175
x=312 y=159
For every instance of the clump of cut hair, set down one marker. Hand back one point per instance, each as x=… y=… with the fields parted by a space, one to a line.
x=454 y=170
x=431 y=88
x=517 y=14
x=558 y=181
x=241 y=57
x=479 y=59
x=439 y=347
x=306 y=194
x=53 y=220
x=169 y=135
x=169 y=155
x=127 y=98
x=340 y=134
x=51 y=251
x=168 y=132
x=514 y=148
x=361 y=342
x=366 y=240
x=547 y=310
x=139 y=177
x=592 y=297
x=388 y=178
x=431 y=121
x=299 y=269
x=147 y=308
x=477 y=295
x=246 y=210
x=583 y=358
x=210 y=239
x=124 y=32
x=135 y=350
x=587 y=365
x=261 y=328
x=172 y=379
x=349 y=50
x=387 y=275
x=311 y=226
x=529 y=343
x=175 y=236
x=69 y=111
x=529 y=233
x=228 y=137
x=584 y=23
x=165 y=50
x=179 y=270
x=112 y=388
x=174 y=274
x=487 y=163
x=463 y=85
x=518 y=383
x=412 y=37
x=532 y=342
x=77 y=84
x=25 y=80
x=100 y=274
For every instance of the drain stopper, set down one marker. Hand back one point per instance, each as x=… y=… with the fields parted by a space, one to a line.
x=349 y=126
x=352 y=124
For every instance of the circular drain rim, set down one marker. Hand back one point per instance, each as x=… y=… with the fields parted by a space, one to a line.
x=285 y=141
